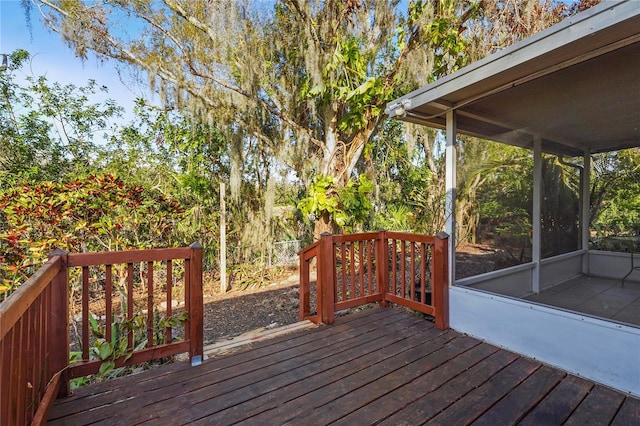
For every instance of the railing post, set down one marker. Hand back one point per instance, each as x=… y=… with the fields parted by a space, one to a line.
x=440 y=285
x=58 y=333
x=326 y=278
x=196 y=338
x=382 y=266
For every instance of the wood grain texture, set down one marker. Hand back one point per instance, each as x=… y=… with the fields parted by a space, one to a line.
x=376 y=366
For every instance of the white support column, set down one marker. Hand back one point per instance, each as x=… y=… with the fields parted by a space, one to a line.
x=223 y=240
x=536 y=213
x=450 y=198
x=585 y=220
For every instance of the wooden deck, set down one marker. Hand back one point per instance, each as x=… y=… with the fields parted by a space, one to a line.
x=375 y=366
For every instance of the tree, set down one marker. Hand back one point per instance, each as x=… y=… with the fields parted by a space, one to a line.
x=47 y=130
x=307 y=82
x=615 y=185
x=409 y=177
x=298 y=85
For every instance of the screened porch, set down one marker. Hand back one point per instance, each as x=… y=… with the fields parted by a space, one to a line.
x=570 y=92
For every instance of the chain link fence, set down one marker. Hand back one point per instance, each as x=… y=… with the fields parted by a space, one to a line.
x=284 y=253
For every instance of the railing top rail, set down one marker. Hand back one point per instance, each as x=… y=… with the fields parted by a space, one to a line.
x=16 y=304
x=309 y=248
x=416 y=238
x=129 y=256
x=344 y=238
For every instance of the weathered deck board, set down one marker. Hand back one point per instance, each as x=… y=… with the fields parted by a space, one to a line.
x=375 y=366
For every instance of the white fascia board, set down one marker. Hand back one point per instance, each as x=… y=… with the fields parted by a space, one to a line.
x=571 y=29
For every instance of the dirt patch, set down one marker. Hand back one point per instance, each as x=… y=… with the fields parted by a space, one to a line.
x=475 y=259
x=238 y=311
x=231 y=314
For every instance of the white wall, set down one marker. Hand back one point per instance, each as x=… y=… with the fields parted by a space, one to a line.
x=610 y=264
x=514 y=281
x=557 y=269
x=601 y=351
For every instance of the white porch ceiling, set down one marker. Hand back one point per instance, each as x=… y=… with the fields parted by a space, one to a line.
x=576 y=85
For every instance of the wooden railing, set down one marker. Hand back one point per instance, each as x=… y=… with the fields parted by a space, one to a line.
x=353 y=270
x=34 y=321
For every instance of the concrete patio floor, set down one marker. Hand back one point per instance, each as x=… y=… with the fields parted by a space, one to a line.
x=598 y=297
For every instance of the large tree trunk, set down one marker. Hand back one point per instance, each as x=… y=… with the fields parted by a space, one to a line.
x=323 y=224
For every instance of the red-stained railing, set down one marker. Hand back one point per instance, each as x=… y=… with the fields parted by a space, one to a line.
x=34 y=321
x=30 y=355
x=353 y=270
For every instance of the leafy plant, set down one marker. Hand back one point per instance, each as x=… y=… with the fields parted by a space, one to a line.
x=346 y=206
x=118 y=348
x=95 y=213
x=247 y=275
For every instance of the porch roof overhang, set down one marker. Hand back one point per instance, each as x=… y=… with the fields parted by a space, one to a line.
x=575 y=85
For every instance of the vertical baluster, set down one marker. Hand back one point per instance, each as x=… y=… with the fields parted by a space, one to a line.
x=394 y=267
x=5 y=376
x=169 y=297
x=352 y=269
x=39 y=379
x=403 y=269
x=370 y=256
x=13 y=347
x=85 y=312
x=31 y=360
x=108 y=289
x=149 y=304
x=32 y=314
x=361 y=253
x=45 y=330
x=22 y=367
x=412 y=274
x=130 y=304
x=423 y=273
x=187 y=296
x=36 y=339
x=343 y=255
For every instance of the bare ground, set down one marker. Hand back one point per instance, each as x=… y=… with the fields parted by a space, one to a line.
x=238 y=311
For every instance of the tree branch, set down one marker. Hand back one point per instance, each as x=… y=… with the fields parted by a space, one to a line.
x=174 y=6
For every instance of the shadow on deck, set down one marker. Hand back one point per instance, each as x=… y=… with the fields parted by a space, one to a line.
x=379 y=365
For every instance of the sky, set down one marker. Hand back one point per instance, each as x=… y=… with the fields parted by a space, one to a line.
x=53 y=59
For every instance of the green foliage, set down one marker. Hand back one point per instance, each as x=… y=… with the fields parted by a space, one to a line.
x=410 y=178
x=95 y=213
x=450 y=53
x=180 y=157
x=262 y=99
x=47 y=130
x=348 y=206
x=615 y=189
x=118 y=348
x=495 y=193
x=299 y=86
x=320 y=197
x=247 y=275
